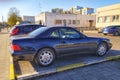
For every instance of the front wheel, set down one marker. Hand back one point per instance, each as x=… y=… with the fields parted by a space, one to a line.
x=45 y=57
x=101 y=49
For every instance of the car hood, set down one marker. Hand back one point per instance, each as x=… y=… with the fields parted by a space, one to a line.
x=25 y=36
x=99 y=38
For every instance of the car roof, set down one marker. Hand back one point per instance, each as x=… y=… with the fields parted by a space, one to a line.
x=60 y=27
x=30 y=25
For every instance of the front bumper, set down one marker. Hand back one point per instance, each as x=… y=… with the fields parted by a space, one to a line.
x=109 y=46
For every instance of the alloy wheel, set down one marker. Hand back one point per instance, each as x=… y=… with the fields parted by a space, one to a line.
x=102 y=49
x=46 y=57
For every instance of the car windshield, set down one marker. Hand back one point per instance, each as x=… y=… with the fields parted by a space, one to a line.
x=38 y=31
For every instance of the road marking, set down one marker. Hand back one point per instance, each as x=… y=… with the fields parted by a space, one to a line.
x=71 y=66
x=12 y=71
x=113 y=57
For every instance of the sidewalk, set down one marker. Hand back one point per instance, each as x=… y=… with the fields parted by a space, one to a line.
x=4 y=57
x=104 y=71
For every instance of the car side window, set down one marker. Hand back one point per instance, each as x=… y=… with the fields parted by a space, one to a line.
x=69 y=33
x=55 y=34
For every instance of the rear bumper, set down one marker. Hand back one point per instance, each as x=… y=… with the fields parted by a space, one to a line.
x=29 y=55
x=22 y=57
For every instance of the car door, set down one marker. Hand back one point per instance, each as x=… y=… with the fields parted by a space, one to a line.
x=72 y=42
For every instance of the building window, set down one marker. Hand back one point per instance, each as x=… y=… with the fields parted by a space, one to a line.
x=107 y=19
x=115 y=18
x=74 y=21
x=77 y=21
x=58 y=21
x=100 y=19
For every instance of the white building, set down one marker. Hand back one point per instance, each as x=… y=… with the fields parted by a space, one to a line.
x=74 y=20
x=29 y=18
x=107 y=16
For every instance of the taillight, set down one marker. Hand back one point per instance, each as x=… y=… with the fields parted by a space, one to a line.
x=16 y=47
x=15 y=31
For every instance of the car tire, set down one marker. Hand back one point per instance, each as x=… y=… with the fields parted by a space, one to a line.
x=45 y=57
x=102 y=49
x=116 y=34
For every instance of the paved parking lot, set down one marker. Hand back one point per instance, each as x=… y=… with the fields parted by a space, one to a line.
x=103 y=71
x=4 y=57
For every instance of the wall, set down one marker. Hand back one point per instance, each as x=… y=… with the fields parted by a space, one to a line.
x=40 y=17
x=50 y=19
x=29 y=18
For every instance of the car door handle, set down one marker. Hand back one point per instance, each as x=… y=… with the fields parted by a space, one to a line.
x=63 y=42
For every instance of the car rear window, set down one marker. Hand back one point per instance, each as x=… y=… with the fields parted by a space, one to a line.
x=38 y=31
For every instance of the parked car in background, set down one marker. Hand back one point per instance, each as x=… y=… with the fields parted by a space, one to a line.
x=24 y=29
x=115 y=30
x=46 y=44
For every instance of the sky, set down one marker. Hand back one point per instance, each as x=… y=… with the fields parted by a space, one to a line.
x=34 y=7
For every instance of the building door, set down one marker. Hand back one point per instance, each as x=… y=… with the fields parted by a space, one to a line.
x=90 y=23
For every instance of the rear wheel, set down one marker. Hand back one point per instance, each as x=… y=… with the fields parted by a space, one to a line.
x=45 y=57
x=105 y=34
x=102 y=49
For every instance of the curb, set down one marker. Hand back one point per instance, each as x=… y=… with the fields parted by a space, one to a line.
x=71 y=66
x=112 y=58
x=12 y=71
x=65 y=68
